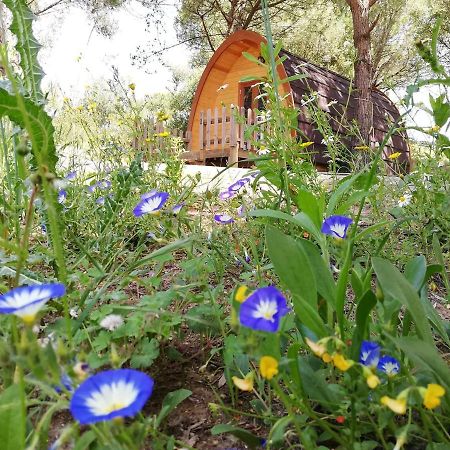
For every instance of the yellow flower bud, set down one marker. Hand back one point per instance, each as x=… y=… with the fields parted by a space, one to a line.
x=372 y=381
x=432 y=395
x=341 y=363
x=241 y=293
x=397 y=405
x=244 y=384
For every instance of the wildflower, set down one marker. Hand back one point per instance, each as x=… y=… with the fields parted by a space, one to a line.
x=435 y=129
x=151 y=204
x=336 y=226
x=71 y=175
x=362 y=147
x=222 y=88
x=389 y=365
x=26 y=301
x=162 y=116
x=306 y=144
x=66 y=382
x=404 y=200
x=241 y=293
x=100 y=201
x=132 y=86
x=110 y=394
x=394 y=155
x=397 y=405
x=341 y=363
x=111 y=322
x=148 y=194
x=73 y=313
x=162 y=134
x=224 y=219
x=263 y=309
x=240 y=211
x=62 y=195
x=317 y=348
x=372 y=380
x=401 y=441
x=263 y=151
x=81 y=370
x=226 y=195
x=177 y=208
x=369 y=354
x=237 y=185
x=244 y=384
x=327 y=358
x=268 y=366
x=104 y=184
x=432 y=395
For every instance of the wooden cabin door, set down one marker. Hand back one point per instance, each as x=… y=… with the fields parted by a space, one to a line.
x=248 y=96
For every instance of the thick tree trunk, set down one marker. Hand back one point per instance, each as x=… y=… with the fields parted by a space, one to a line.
x=363 y=69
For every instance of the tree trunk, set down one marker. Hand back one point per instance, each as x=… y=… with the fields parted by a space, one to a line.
x=363 y=71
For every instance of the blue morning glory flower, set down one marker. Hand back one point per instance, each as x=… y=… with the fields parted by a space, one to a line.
x=110 y=394
x=263 y=309
x=369 y=355
x=104 y=184
x=62 y=195
x=66 y=381
x=148 y=194
x=225 y=195
x=151 y=204
x=71 y=175
x=336 y=226
x=237 y=185
x=389 y=365
x=177 y=208
x=224 y=219
x=26 y=301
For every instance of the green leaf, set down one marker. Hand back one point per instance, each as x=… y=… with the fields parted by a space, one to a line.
x=146 y=353
x=36 y=121
x=27 y=46
x=441 y=109
x=170 y=402
x=343 y=187
x=292 y=266
x=308 y=203
x=12 y=420
x=415 y=271
x=394 y=284
x=245 y=436
x=366 y=303
x=85 y=440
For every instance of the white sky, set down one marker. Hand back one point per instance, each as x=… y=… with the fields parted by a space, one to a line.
x=67 y=34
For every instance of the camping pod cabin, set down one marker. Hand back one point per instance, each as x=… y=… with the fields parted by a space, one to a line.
x=216 y=137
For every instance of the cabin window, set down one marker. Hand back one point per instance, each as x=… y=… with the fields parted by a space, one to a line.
x=249 y=96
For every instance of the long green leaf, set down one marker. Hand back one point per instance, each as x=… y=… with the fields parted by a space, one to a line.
x=27 y=46
x=245 y=436
x=394 y=284
x=170 y=402
x=35 y=120
x=12 y=422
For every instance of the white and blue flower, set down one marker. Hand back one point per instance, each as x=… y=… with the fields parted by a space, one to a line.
x=223 y=219
x=263 y=309
x=111 y=394
x=336 y=226
x=26 y=301
x=225 y=195
x=62 y=196
x=237 y=185
x=177 y=208
x=369 y=354
x=389 y=365
x=149 y=194
x=151 y=204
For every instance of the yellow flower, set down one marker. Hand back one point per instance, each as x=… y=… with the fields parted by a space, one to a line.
x=92 y=106
x=432 y=396
x=132 y=86
x=268 y=367
x=326 y=358
x=162 y=116
x=79 y=108
x=317 y=348
x=341 y=363
x=306 y=144
x=147 y=139
x=435 y=129
x=244 y=384
x=398 y=405
x=394 y=155
x=162 y=134
x=241 y=293
x=372 y=381
x=362 y=147
x=66 y=100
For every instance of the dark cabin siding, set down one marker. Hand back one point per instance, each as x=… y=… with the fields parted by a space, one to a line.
x=330 y=86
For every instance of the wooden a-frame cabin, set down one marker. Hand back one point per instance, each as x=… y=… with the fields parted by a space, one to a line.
x=214 y=135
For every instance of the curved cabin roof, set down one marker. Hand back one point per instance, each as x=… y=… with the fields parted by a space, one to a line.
x=333 y=92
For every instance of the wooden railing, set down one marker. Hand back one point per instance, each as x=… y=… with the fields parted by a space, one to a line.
x=221 y=132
